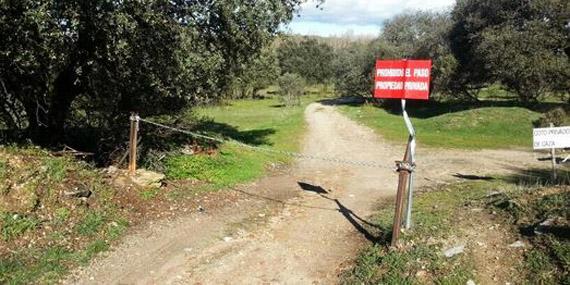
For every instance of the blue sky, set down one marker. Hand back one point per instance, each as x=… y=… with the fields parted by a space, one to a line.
x=359 y=17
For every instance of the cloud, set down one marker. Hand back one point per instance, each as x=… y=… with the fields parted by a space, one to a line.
x=363 y=13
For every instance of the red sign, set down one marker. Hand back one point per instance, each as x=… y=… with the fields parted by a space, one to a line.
x=402 y=79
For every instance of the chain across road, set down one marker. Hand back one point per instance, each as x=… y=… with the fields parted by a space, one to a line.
x=373 y=164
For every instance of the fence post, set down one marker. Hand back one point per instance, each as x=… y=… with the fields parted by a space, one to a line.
x=404 y=171
x=133 y=143
x=553 y=158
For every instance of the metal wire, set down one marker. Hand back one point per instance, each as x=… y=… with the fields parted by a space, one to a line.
x=373 y=164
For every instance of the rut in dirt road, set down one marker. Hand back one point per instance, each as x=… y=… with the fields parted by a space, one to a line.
x=319 y=224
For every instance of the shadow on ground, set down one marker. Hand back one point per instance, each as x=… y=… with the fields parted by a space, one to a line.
x=427 y=109
x=109 y=146
x=472 y=177
x=312 y=188
x=540 y=176
x=372 y=232
x=251 y=137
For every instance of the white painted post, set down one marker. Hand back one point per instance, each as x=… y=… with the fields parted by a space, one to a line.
x=553 y=159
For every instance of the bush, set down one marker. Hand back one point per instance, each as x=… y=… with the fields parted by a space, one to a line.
x=559 y=117
x=292 y=87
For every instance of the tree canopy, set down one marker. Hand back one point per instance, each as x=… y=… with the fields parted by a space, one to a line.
x=74 y=62
x=521 y=44
x=308 y=57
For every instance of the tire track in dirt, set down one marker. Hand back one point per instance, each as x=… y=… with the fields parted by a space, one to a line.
x=319 y=210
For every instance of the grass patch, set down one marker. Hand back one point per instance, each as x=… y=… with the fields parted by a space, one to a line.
x=16 y=225
x=419 y=261
x=541 y=213
x=44 y=233
x=438 y=218
x=34 y=266
x=264 y=123
x=90 y=224
x=489 y=127
x=149 y=194
x=230 y=166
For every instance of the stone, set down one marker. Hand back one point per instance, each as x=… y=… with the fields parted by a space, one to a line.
x=111 y=170
x=470 y=282
x=543 y=226
x=494 y=193
x=147 y=178
x=517 y=244
x=78 y=192
x=450 y=252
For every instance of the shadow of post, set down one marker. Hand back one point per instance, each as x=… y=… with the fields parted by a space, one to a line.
x=372 y=232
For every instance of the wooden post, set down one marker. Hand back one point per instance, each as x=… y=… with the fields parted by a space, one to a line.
x=133 y=143
x=553 y=158
x=402 y=183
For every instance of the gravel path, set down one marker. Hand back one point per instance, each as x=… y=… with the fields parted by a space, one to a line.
x=299 y=227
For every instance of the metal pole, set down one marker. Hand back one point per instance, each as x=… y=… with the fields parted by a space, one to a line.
x=412 y=161
x=404 y=171
x=553 y=158
x=133 y=143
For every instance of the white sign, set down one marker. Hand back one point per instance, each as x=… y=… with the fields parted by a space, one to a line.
x=547 y=138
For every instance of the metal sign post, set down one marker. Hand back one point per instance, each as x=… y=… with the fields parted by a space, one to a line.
x=412 y=161
x=403 y=79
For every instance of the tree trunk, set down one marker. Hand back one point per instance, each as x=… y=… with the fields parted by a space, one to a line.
x=66 y=90
x=47 y=128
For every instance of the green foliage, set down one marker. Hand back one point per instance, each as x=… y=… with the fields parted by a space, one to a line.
x=417 y=35
x=61 y=215
x=353 y=67
x=18 y=269
x=55 y=169
x=540 y=266
x=523 y=45
x=88 y=63
x=423 y=35
x=308 y=58
x=90 y=224
x=223 y=169
x=437 y=215
x=42 y=244
x=291 y=88
x=258 y=122
x=14 y=225
x=490 y=127
x=558 y=116
x=257 y=74
x=91 y=250
x=529 y=205
x=434 y=214
x=149 y=194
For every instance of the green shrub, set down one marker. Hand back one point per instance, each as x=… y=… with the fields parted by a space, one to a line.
x=559 y=117
x=15 y=225
x=292 y=87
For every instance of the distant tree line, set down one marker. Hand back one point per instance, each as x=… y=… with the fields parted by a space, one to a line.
x=523 y=46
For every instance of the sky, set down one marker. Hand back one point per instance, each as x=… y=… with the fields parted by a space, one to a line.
x=358 y=17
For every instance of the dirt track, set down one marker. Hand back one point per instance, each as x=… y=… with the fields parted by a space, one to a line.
x=310 y=219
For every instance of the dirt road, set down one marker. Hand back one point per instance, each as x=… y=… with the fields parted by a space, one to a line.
x=298 y=227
